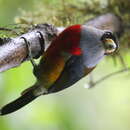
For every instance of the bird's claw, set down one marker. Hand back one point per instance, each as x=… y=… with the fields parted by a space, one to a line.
x=29 y=52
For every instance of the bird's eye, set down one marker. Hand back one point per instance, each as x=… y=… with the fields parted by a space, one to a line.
x=107 y=35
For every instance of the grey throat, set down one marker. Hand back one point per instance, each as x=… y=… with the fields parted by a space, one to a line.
x=91 y=45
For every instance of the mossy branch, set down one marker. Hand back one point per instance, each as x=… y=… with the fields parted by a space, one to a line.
x=13 y=51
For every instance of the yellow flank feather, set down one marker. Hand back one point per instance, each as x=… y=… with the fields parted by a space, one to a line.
x=52 y=68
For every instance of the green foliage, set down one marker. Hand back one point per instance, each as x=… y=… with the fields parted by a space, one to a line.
x=59 y=13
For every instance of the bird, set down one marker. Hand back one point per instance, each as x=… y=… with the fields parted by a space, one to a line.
x=72 y=55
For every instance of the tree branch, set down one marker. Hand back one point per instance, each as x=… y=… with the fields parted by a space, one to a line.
x=94 y=83
x=13 y=51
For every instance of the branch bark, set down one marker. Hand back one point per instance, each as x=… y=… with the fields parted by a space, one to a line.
x=13 y=51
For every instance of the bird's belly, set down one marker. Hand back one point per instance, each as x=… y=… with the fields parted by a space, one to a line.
x=73 y=71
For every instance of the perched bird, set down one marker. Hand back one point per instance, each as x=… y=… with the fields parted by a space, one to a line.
x=71 y=56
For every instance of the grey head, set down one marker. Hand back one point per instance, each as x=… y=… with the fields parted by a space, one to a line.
x=95 y=44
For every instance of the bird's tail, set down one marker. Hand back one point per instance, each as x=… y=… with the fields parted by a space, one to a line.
x=26 y=97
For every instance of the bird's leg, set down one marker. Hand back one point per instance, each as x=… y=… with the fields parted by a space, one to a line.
x=35 y=66
x=42 y=44
x=29 y=53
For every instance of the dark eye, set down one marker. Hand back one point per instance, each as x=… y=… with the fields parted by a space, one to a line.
x=107 y=35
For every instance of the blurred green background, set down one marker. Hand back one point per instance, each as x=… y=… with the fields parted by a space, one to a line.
x=104 y=107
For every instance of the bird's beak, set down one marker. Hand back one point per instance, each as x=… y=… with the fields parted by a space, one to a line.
x=110 y=46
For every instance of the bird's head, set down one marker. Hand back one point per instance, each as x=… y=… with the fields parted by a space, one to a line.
x=96 y=43
x=74 y=36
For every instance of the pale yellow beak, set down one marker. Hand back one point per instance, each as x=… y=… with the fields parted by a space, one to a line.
x=110 y=46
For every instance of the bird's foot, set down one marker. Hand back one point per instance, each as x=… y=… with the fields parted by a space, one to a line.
x=29 y=52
